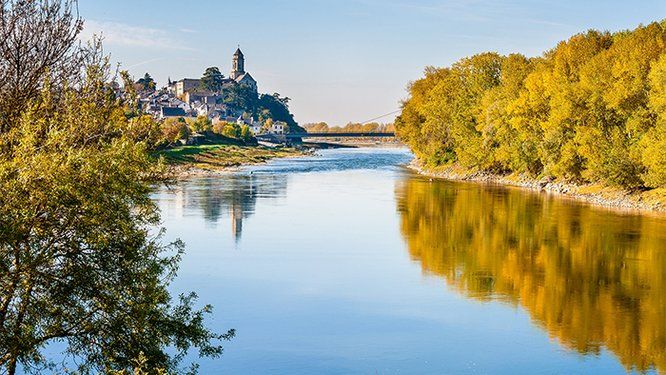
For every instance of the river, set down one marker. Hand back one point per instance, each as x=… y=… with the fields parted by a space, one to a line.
x=349 y=263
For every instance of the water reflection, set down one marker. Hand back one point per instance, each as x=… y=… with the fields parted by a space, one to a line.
x=233 y=195
x=590 y=278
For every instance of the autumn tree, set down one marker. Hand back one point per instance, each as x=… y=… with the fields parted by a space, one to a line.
x=175 y=129
x=585 y=111
x=201 y=124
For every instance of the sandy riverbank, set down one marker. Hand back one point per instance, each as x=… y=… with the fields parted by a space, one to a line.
x=653 y=201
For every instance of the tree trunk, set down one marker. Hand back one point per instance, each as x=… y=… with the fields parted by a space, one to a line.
x=11 y=366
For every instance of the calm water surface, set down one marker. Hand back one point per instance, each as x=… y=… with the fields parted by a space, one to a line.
x=347 y=263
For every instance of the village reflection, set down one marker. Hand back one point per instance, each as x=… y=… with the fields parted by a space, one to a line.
x=592 y=279
x=233 y=195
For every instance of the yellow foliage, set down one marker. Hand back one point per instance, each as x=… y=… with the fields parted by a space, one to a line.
x=585 y=111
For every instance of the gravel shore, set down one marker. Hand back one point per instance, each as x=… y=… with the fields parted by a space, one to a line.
x=648 y=201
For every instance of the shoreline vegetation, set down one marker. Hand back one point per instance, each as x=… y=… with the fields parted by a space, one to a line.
x=85 y=267
x=649 y=201
x=587 y=119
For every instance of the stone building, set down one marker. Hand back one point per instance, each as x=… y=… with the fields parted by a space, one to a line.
x=186 y=85
x=238 y=72
x=238 y=76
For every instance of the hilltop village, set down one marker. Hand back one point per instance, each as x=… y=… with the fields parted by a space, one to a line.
x=229 y=106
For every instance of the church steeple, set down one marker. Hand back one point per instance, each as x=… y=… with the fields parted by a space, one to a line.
x=238 y=64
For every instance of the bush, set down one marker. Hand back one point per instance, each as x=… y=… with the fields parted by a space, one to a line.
x=174 y=130
x=227 y=129
x=202 y=124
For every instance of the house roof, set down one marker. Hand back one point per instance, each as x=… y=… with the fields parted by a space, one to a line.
x=173 y=112
x=238 y=52
x=244 y=76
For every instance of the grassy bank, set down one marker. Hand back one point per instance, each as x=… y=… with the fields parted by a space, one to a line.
x=653 y=200
x=202 y=159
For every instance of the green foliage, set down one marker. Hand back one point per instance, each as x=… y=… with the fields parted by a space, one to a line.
x=590 y=109
x=147 y=83
x=263 y=106
x=277 y=109
x=240 y=96
x=246 y=134
x=79 y=262
x=212 y=79
x=201 y=124
x=231 y=130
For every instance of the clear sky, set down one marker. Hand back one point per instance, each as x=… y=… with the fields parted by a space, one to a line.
x=340 y=60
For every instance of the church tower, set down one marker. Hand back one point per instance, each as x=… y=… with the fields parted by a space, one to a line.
x=238 y=65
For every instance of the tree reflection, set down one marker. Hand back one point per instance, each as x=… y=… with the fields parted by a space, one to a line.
x=590 y=278
x=233 y=195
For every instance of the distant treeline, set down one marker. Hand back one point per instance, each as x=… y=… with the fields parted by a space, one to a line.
x=593 y=109
x=372 y=127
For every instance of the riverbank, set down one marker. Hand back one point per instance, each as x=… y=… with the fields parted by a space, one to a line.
x=644 y=201
x=212 y=159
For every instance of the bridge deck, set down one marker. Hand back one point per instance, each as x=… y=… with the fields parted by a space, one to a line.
x=338 y=135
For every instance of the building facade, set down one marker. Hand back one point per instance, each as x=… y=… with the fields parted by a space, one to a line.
x=186 y=85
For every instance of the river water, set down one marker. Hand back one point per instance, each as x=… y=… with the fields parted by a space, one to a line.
x=348 y=263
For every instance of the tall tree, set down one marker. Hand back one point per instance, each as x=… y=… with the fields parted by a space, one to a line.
x=146 y=83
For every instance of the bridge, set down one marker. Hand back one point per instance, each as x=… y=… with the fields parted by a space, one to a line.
x=287 y=138
x=340 y=135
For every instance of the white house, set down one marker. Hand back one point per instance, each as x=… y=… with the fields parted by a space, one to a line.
x=278 y=127
x=256 y=127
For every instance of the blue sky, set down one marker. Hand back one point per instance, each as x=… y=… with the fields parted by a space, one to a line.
x=340 y=60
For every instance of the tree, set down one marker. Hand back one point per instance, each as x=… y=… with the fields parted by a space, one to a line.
x=231 y=130
x=320 y=127
x=175 y=129
x=79 y=261
x=584 y=111
x=37 y=39
x=268 y=124
x=654 y=142
x=240 y=97
x=246 y=134
x=285 y=101
x=147 y=83
x=228 y=129
x=277 y=109
x=201 y=124
x=212 y=79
